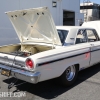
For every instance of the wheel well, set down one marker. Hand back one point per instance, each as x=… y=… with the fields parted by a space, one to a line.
x=77 y=65
x=67 y=81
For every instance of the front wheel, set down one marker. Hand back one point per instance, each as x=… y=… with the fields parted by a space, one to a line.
x=69 y=76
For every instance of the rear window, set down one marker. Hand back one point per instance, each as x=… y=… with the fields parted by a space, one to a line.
x=62 y=35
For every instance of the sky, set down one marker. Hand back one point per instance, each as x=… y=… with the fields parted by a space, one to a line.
x=94 y=1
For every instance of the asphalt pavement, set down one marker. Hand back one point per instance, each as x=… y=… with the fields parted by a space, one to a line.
x=86 y=87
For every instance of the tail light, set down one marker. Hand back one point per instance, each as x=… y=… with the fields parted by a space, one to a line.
x=29 y=63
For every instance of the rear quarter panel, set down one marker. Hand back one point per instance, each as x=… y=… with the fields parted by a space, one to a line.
x=53 y=63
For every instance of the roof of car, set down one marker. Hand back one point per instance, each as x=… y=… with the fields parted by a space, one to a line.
x=72 y=27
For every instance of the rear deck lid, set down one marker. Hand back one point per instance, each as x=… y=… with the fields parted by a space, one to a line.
x=34 y=25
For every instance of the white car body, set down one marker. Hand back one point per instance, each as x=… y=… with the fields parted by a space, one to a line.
x=93 y=24
x=38 y=35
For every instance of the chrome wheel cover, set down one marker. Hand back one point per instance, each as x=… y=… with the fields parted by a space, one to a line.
x=70 y=73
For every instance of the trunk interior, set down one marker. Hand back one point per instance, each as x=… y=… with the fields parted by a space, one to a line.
x=24 y=50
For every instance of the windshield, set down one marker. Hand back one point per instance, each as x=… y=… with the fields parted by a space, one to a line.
x=62 y=35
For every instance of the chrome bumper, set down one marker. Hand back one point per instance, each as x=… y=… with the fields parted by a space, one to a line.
x=22 y=74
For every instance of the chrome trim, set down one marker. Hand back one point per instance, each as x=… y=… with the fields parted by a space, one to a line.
x=31 y=77
x=70 y=73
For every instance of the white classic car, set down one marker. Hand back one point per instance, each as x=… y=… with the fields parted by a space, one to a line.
x=44 y=53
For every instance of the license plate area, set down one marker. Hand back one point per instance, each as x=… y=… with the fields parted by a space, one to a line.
x=5 y=72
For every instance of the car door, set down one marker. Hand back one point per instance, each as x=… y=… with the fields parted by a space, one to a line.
x=81 y=39
x=93 y=39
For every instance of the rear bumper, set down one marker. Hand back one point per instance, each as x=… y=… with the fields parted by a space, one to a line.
x=31 y=77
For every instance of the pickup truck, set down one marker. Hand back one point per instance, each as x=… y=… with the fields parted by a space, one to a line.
x=47 y=51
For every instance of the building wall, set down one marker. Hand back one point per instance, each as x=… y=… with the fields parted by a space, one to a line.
x=80 y=18
x=7 y=33
x=73 y=5
x=6 y=29
x=55 y=11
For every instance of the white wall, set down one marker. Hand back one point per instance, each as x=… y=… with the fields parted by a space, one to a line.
x=6 y=29
x=7 y=33
x=78 y=17
x=55 y=11
x=73 y=5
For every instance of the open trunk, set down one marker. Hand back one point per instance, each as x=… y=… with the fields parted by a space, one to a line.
x=17 y=54
x=33 y=27
x=24 y=49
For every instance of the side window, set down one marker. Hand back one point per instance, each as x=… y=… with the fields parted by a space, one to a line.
x=65 y=33
x=60 y=35
x=91 y=35
x=81 y=37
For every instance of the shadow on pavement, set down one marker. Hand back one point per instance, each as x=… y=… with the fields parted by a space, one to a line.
x=50 y=89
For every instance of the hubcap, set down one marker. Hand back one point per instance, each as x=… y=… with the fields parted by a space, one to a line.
x=70 y=73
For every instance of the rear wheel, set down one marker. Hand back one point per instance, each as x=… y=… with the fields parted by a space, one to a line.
x=69 y=76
